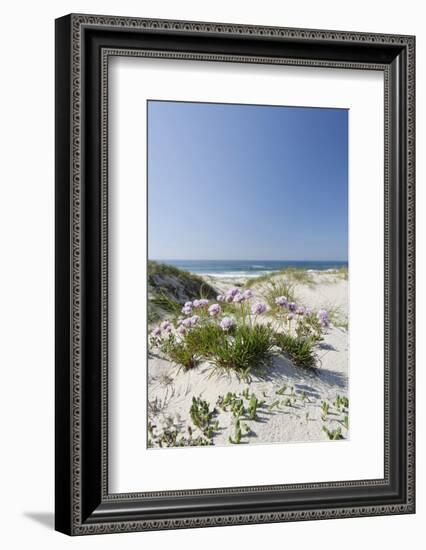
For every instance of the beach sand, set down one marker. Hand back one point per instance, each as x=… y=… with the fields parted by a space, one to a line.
x=170 y=389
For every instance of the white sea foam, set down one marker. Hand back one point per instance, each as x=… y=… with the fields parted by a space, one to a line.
x=235 y=274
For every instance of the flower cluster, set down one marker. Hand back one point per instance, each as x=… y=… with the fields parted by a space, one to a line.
x=200 y=303
x=165 y=327
x=323 y=318
x=234 y=295
x=215 y=310
x=156 y=332
x=281 y=301
x=189 y=321
x=234 y=336
x=306 y=318
x=196 y=304
x=187 y=308
x=227 y=323
x=295 y=311
x=185 y=324
x=259 y=308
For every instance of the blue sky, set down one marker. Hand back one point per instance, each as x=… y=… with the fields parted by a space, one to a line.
x=238 y=182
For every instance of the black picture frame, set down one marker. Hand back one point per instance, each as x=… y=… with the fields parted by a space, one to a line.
x=83 y=45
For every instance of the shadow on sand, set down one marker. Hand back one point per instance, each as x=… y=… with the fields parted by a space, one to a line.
x=282 y=371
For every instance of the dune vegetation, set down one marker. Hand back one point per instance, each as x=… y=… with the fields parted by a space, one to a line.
x=168 y=286
x=238 y=334
x=223 y=339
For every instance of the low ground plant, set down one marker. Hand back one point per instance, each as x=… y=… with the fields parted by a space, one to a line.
x=202 y=417
x=168 y=437
x=341 y=403
x=325 y=408
x=244 y=407
x=244 y=404
x=173 y=436
x=238 y=433
x=333 y=434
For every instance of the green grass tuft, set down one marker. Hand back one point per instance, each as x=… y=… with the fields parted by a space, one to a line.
x=275 y=288
x=167 y=304
x=336 y=317
x=260 y=279
x=246 y=348
x=298 y=275
x=205 y=339
x=180 y=353
x=300 y=351
x=288 y=276
x=250 y=349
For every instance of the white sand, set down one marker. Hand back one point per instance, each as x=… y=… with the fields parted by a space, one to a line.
x=172 y=389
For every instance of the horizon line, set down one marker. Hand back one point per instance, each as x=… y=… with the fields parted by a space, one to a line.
x=239 y=260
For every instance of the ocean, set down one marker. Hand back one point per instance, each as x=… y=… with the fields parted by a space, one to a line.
x=249 y=268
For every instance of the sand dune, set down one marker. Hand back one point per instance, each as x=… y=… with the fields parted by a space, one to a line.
x=299 y=415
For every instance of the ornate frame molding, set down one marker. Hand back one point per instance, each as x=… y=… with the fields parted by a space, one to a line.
x=72 y=46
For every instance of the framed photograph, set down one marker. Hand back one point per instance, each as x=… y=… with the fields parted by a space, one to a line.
x=234 y=274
